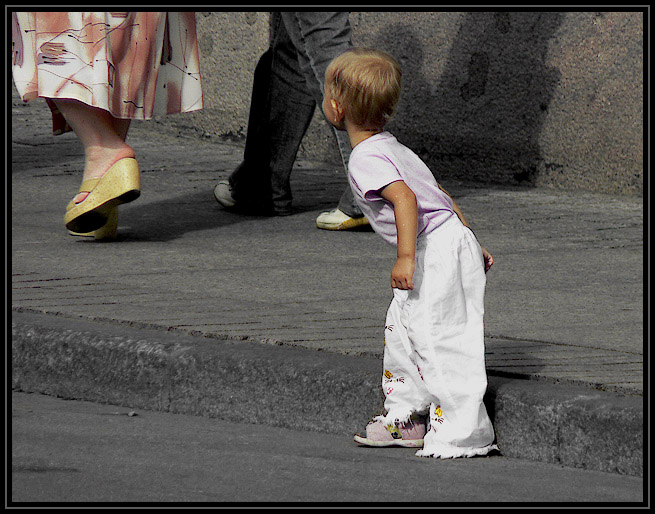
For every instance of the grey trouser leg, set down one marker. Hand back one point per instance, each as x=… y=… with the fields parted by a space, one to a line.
x=288 y=85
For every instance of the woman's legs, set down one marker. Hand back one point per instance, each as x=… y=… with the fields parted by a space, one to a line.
x=102 y=136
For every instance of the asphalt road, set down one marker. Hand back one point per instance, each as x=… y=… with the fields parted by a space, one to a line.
x=75 y=451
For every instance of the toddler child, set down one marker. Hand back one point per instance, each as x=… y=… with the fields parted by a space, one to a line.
x=434 y=341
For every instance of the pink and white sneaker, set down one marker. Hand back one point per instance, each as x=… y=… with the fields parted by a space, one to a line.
x=408 y=435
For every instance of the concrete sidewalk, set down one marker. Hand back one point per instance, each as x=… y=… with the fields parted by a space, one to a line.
x=121 y=321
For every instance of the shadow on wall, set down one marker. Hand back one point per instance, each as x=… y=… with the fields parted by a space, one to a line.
x=481 y=120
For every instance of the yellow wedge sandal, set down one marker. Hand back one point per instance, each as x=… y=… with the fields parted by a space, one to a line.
x=120 y=184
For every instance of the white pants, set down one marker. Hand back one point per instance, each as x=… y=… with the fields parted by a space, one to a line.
x=434 y=345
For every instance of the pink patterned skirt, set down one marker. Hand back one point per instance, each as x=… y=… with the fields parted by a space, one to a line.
x=132 y=64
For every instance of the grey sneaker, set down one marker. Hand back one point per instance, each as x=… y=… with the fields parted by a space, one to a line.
x=223 y=194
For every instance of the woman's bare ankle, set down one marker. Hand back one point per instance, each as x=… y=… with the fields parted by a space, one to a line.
x=99 y=160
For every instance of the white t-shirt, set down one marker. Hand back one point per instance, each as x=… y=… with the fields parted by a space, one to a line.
x=380 y=160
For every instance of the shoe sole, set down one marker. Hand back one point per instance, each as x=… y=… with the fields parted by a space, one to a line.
x=345 y=225
x=413 y=443
x=250 y=209
x=226 y=204
x=105 y=233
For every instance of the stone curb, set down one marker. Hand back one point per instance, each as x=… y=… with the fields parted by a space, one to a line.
x=296 y=388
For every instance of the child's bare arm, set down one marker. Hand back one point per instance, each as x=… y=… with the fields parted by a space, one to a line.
x=488 y=258
x=406 y=213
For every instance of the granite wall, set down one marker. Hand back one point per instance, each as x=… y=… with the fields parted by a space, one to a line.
x=514 y=98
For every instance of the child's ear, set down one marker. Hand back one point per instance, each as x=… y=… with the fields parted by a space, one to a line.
x=337 y=108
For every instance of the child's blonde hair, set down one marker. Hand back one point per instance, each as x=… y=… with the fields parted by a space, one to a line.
x=366 y=83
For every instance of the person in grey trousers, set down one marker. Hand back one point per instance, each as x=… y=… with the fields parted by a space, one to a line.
x=288 y=84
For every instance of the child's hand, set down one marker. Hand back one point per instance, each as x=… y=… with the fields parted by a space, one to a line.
x=402 y=273
x=488 y=259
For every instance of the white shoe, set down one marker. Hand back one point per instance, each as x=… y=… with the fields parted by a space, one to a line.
x=339 y=220
x=223 y=194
